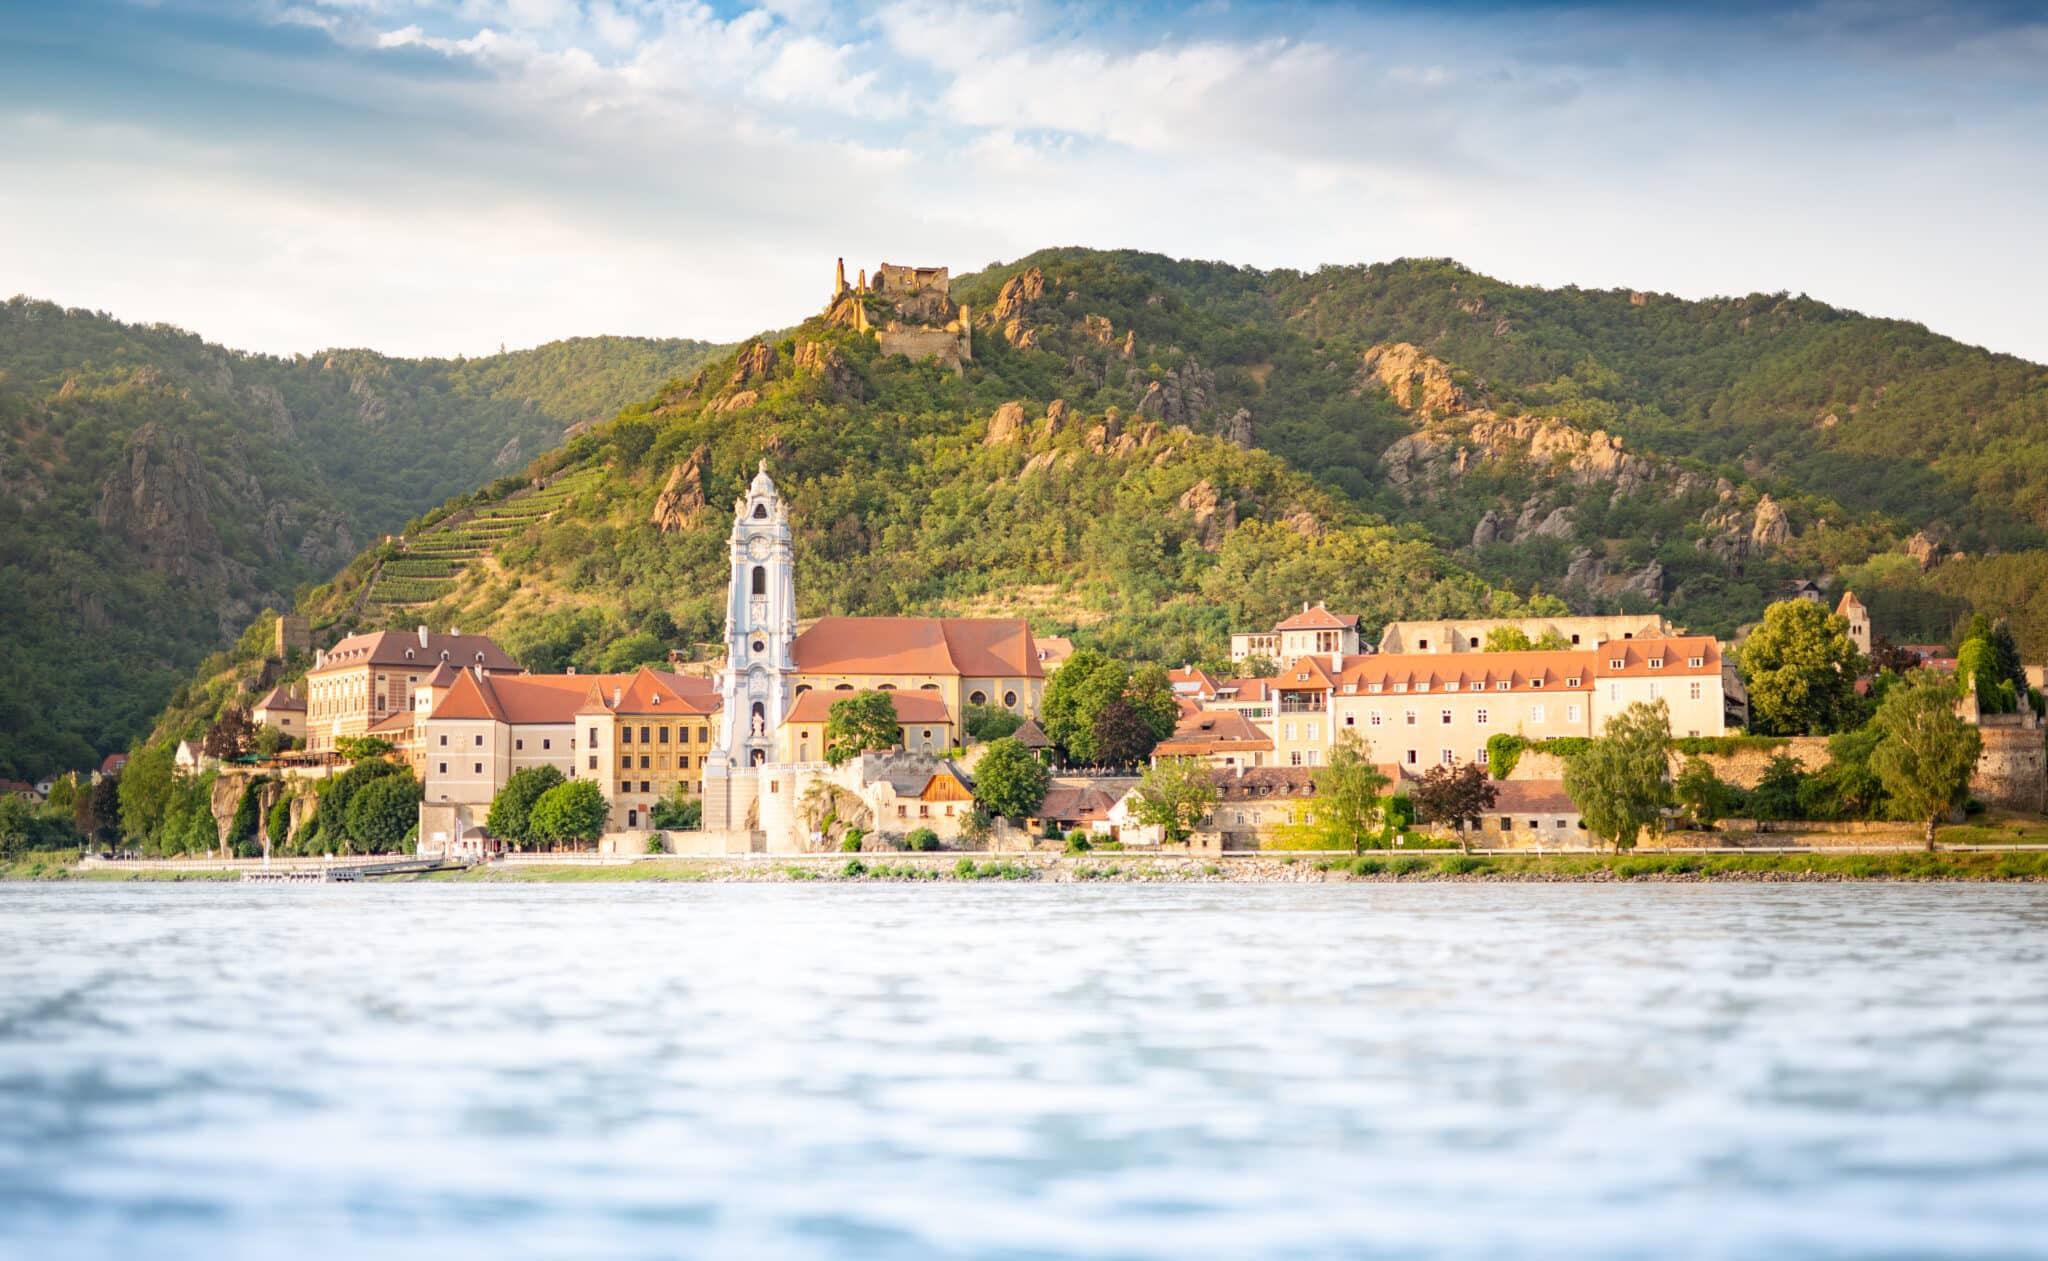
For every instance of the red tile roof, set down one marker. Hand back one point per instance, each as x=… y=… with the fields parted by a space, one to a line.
x=1318 y=618
x=543 y=699
x=399 y=648
x=1436 y=672
x=1213 y=731
x=1532 y=796
x=911 y=707
x=965 y=647
x=1636 y=655
x=279 y=698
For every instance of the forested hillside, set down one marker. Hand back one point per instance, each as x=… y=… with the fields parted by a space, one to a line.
x=156 y=491
x=1147 y=454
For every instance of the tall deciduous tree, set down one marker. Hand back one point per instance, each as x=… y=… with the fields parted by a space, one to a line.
x=1928 y=753
x=575 y=811
x=383 y=811
x=1801 y=667
x=1174 y=796
x=1618 y=781
x=1122 y=736
x=512 y=809
x=1348 y=792
x=1455 y=795
x=1075 y=697
x=1008 y=780
x=862 y=723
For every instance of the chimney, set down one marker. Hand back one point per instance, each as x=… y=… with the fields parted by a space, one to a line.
x=454 y=630
x=572 y=669
x=616 y=694
x=423 y=634
x=1304 y=606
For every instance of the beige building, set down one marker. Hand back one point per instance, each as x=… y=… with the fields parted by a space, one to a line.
x=928 y=726
x=372 y=679
x=1220 y=737
x=1469 y=634
x=1315 y=630
x=961 y=660
x=1851 y=610
x=283 y=709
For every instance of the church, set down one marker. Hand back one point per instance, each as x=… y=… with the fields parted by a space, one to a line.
x=777 y=687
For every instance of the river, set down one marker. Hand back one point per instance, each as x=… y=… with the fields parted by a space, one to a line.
x=991 y=1070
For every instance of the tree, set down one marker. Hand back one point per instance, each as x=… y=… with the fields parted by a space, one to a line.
x=1175 y=795
x=1979 y=666
x=991 y=722
x=1122 y=736
x=231 y=735
x=339 y=793
x=1149 y=691
x=1508 y=639
x=1075 y=697
x=383 y=811
x=1801 y=668
x=1455 y=795
x=96 y=813
x=360 y=748
x=145 y=789
x=1888 y=656
x=1778 y=790
x=247 y=818
x=1552 y=640
x=1618 y=781
x=1009 y=781
x=2005 y=656
x=862 y=723
x=574 y=811
x=1257 y=667
x=1846 y=788
x=17 y=828
x=1706 y=797
x=678 y=811
x=511 y=810
x=277 y=827
x=1348 y=792
x=630 y=653
x=1928 y=753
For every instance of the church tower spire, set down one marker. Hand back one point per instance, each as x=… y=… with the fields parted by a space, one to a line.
x=760 y=634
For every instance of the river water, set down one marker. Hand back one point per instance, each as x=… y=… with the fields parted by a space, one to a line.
x=1187 y=1071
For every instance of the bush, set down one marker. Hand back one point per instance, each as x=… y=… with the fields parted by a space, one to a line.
x=1464 y=864
x=851 y=844
x=1077 y=842
x=922 y=840
x=854 y=869
x=1408 y=865
x=656 y=844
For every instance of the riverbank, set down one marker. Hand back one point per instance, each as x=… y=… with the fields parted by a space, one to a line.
x=1264 y=868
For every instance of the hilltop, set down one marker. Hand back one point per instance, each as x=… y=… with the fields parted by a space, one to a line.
x=157 y=491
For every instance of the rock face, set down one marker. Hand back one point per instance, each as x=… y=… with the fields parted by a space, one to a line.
x=155 y=500
x=508 y=455
x=827 y=363
x=1058 y=418
x=682 y=499
x=1214 y=517
x=1182 y=397
x=1098 y=329
x=1005 y=425
x=754 y=364
x=1488 y=529
x=1238 y=429
x=1924 y=550
x=1012 y=308
x=1772 y=527
x=1415 y=381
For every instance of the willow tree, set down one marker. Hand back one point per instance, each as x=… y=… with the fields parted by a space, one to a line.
x=1618 y=781
x=1927 y=753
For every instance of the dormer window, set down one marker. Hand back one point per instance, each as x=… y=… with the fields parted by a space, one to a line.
x=1450 y=687
x=1536 y=683
x=1501 y=686
x=408 y=654
x=1400 y=687
x=1695 y=662
x=1615 y=663
x=1572 y=682
x=1656 y=663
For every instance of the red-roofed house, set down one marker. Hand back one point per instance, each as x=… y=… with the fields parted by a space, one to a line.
x=1219 y=737
x=928 y=727
x=365 y=679
x=964 y=660
x=1314 y=630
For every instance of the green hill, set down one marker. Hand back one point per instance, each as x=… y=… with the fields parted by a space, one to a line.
x=1148 y=453
x=157 y=491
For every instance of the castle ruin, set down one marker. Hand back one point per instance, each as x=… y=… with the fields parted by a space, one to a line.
x=917 y=317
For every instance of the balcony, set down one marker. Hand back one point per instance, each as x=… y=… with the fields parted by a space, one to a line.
x=1289 y=706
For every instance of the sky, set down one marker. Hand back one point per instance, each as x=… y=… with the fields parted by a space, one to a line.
x=449 y=176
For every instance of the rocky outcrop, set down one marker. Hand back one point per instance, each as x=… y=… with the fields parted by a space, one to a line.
x=827 y=363
x=1488 y=530
x=1924 y=550
x=371 y=408
x=155 y=500
x=1772 y=527
x=508 y=455
x=1238 y=429
x=327 y=543
x=1212 y=516
x=1011 y=313
x=755 y=362
x=1005 y=426
x=682 y=498
x=1058 y=418
x=1098 y=329
x=1416 y=382
x=269 y=403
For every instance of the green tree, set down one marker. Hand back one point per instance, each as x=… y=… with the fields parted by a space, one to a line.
x=575 y=811
x=678 y=811
x=1008 y=780
x=1257 y=667
x=1455 y=795
x=1508 y=639
x=1801 y=668
x=511 y=810
x=96 y=813
x=17 y=827
x=1552 y=640
x=1705 y=796
x=2005 y=656
x=1979 y=668
x=1617 y=782
x=633 y=651
x=1149 y=692
x=145 y=791
x=278 y=825
x=339 y=793
x=383 y=811
x=1846 y=788
x=361 y=748
x=247 y=818
x=1175 y=795
x=1927 y=754
x=1347 y=802
x=862 y=723
x=1122 y=736
x=1075 y=697
x=991 y=722
x=1778 y=790
x=921 y=840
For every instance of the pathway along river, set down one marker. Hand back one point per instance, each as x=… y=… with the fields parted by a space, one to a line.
x=1023 y=1071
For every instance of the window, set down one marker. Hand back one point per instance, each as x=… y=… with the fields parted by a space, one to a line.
x=1614 y=663
x=1400 y=687
x=682 y=735
x=444 y=768
x=1411 y=757
x=1422 y=645
x=1312 y=757
x=760 y=577
x=1571 y=682
x=643 y=761
x=1447 y=717
x=1452 y=686
x=1409 y=716
x=1536 y=684
x=1653 y=691
x=625 y=761
x=1614 y=691
x=1695 y=662
x=593 y=761
x=1501 y=686
x=923 y=811
x=1351 y=720
x=519 y=744
x=547 y=744
x=1010 y=699
x=1315 y=731
x=903 y=812
x=478 y=741
x=643 y=735
x=1480 y=717
x=1536 y=714
x=977 y=698
x=625 y=735
x=1571 y=713
x=444 y=742
x=1656 y=663
x=645 y=786
x=479 y=768
x=1481 y=759
x=593 y=739
x=1447 y=757
x=1294 y=759
x=1375 y=719
x=1290 y=731
x=1694 y=692
x=1372 y=687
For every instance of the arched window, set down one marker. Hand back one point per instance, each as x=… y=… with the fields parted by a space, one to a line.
x=760 y=512
x=977 y=698
x=885 y=687
x=801 y=688
x=843 y=687
x=760 y=580
x=1010 y=699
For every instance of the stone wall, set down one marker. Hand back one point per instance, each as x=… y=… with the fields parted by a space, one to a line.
x=2012 y=771
x=947 y=345
x=1743 y=768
